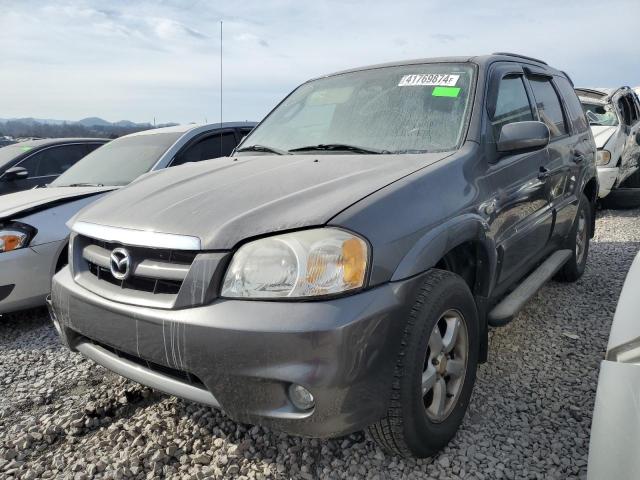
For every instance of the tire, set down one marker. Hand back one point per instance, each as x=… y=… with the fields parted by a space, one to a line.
x=578 y=243
x=409 y=429
x=621 y=198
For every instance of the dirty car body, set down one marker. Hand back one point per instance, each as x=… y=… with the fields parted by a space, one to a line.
x=403 y=178
x=35 y=220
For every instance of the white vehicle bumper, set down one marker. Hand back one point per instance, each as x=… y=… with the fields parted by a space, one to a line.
x=25 y=276
x=615 y=431
x=607 y=177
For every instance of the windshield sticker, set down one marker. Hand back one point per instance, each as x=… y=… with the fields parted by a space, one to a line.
x=26 y=149
x=429 y=80
x=445 y=92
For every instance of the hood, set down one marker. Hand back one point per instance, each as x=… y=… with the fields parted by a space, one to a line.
x=13 y=204
x=226 y=200
x=602 y=134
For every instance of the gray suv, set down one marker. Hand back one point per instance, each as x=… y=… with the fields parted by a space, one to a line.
x=340 y=269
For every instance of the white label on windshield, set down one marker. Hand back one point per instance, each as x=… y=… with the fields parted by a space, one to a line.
x=429 y=79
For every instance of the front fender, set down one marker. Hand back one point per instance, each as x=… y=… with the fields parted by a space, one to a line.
x=431 y=247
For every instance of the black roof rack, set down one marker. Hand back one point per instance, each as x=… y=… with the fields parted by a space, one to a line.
x=520 y=56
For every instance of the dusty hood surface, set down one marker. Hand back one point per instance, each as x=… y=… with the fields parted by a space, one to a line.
x=602 y=134
x=224 y=201
x=16 y=203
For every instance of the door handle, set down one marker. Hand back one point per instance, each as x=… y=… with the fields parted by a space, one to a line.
x=578 y=158
x=544 y=173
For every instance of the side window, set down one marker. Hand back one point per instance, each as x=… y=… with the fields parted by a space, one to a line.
x=244 y=132
x=54 y=160
x=574 y=107
x=549 y=107
x=218 y=145
x=90 y=147
x=512 y=104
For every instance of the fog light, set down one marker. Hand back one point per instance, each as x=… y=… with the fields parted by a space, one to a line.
x=301 y=397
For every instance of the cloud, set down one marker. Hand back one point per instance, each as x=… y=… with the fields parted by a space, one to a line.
x=72 y=59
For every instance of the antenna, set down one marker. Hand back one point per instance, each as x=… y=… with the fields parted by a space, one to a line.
x=220 y=73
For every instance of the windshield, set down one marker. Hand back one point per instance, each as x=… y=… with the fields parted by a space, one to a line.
x=600 y=114
x=406 y=109
x=10 y=152
x=118 y=162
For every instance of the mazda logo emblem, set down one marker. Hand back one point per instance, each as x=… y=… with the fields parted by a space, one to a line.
x=120 y=263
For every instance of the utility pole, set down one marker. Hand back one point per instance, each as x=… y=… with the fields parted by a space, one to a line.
x=220 y=73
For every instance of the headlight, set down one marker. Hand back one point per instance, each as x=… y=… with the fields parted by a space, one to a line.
x=14 y=236
x=603 y=158
x=309 y=263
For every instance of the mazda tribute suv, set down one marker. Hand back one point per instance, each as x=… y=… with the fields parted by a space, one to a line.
x=340 y=269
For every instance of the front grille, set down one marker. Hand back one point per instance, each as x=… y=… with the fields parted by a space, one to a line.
x=180 y=375
x=151 y=280
x=141 y=284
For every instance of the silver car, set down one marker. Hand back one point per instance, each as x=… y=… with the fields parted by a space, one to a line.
x=33 y=234
x=615 y=429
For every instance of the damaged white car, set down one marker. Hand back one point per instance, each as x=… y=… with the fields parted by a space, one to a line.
x=614 y=117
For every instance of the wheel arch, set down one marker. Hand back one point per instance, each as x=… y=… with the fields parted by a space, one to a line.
x=447 y=245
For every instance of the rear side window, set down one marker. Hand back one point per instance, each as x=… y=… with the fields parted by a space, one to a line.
x=549 y=107
x=512 y=104
x=575 y=110
x=218 y=145
x=54 y=160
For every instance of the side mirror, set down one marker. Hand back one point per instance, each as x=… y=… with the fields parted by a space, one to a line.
x=15 y=173
x=523 y=136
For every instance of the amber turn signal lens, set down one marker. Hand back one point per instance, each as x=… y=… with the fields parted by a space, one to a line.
x=354 y=262
x=11 y=241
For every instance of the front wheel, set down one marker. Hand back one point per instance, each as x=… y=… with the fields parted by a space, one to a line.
x=435 y=369
x=578 y=242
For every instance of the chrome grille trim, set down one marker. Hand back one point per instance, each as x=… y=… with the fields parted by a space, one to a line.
x=160 y=278
x=146 y=268
x=139 y=238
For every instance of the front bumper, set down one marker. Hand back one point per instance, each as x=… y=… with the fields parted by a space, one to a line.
x=25 y=276
x=607 y=177
x=243 y=355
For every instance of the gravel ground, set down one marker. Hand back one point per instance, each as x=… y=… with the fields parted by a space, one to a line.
x=64 y=417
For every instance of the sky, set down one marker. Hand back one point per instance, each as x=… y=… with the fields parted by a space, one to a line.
x=139 y=60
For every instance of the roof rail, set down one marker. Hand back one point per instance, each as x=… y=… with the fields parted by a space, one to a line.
x=519 y=56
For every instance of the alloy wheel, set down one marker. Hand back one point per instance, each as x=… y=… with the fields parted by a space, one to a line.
x=445 y=365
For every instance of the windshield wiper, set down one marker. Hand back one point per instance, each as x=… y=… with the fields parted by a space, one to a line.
x=337 y=147
x=263 y=148
x=85 y=185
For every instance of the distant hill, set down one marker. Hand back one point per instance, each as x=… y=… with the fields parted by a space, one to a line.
x=87 y=127
x=94 y=122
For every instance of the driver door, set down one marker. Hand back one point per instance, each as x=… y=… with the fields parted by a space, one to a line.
x=521 y=215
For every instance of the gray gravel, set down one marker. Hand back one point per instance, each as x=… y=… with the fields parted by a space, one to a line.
x=64 y=417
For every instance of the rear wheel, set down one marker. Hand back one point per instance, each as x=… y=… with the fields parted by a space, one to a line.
x=435 y=369
x=578 y=242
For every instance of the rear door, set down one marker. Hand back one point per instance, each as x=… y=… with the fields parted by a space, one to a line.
x=521 y=219
x=571 y=147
